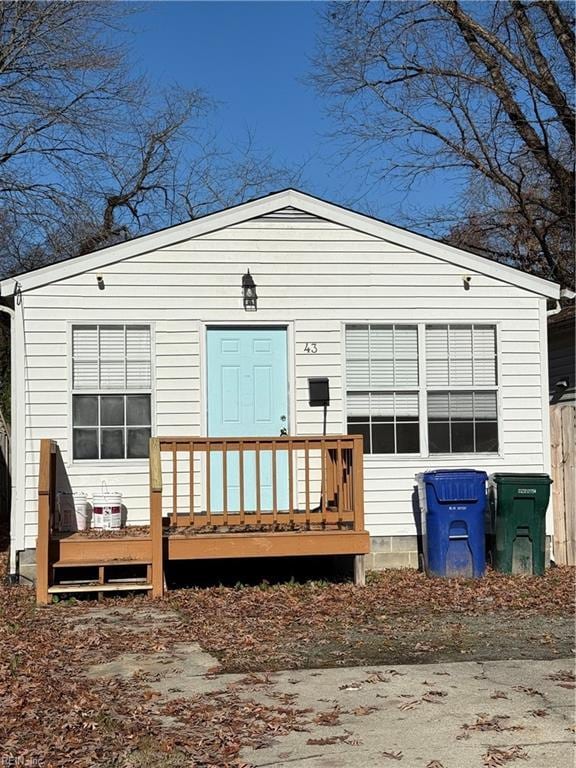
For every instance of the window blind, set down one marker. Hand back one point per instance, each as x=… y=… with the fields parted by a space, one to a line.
x=460 y=356
x=381 y=357
x=111 y=357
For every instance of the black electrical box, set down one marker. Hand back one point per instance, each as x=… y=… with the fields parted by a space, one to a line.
x=319 y=392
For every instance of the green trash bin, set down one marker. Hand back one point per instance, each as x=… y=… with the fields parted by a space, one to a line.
x=518 y=504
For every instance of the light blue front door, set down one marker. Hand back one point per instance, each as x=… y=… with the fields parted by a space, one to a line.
x=247 y=397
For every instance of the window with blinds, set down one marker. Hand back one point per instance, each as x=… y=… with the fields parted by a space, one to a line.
x=460 y=356
x=382 y=387
x=461 y=382
x=111 y=357
x=111 y=400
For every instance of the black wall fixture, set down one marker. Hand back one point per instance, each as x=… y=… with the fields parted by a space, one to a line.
x=249 y=294
x=319 y=392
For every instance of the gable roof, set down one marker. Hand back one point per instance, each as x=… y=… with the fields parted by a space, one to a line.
x=292 y=199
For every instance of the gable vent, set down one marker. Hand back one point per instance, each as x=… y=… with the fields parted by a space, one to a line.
x=289 y=214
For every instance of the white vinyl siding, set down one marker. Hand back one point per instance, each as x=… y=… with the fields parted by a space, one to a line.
x=314 y=276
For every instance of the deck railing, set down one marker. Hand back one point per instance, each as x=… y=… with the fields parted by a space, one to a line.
x=231 y=482
x=258 y=485
x=46 y=516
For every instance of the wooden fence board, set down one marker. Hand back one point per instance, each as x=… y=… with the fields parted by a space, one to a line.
x=562 y=432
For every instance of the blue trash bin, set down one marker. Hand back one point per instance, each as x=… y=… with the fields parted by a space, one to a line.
x=453 y=505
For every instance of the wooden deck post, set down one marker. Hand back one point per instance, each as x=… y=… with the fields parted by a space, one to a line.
x=46 y=495
x=359 y=571
x=358 y=482
x=358 y=496
x=156 y=518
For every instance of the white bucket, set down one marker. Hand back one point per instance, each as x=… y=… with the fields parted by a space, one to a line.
x=65 y=518
x=107 y=509
x=81 y=510
x=73 y=511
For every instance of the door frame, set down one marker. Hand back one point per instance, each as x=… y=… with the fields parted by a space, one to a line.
x=247 y=325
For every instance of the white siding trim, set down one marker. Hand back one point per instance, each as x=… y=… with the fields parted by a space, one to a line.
x=422 y=391
x=18 y=439
x=344 y=378
x=499 y=406
x=544 y=395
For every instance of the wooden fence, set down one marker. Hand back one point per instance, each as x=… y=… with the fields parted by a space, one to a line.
x=562 y=433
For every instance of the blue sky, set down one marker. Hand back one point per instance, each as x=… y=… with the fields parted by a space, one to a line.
x=253 y=58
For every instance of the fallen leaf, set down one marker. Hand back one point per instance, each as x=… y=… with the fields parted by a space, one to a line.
x=563 y=675
x=361 y=711
x=497 y=756
x=410 y=704
x=529 y=691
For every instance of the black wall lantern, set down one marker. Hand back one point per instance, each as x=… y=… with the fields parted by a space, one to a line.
x=249 y=292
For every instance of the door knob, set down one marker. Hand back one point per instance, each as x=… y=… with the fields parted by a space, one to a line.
x=283 y=430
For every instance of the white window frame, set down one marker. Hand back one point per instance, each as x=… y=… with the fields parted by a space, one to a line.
x=423 y=389
x=99 y=391
x=407 y=390
x=469 y=388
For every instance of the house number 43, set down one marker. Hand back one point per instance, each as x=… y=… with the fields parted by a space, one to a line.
x=311 y=348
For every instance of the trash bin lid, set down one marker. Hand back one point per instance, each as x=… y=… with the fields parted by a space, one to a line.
x=457 y=485
x=451 y=471
x=514 y=478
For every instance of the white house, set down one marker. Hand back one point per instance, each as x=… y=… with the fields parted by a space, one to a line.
x=437 y=356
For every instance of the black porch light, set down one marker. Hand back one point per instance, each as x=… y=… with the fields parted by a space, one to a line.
x=249 y=292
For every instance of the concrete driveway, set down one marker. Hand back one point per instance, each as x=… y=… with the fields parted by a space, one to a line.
x=446 y=715
x=449 y=715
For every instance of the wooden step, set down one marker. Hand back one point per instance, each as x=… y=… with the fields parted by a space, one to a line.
x=59 y=589
x=97 y=564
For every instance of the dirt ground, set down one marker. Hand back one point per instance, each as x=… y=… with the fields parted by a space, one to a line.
x=450 y=637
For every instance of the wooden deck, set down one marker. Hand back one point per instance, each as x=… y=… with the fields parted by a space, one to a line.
x=325 y=515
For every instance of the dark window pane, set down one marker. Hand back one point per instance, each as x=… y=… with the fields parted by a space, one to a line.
x=361 y=429
x=382 y=438
x=138 y=409
x=138 y=443
x=439 y=438
x=408 y=437
x=112 y=444
x=462 y=437
x=383 y=419
x=358 y=419
x=487 y=436
x=85 y=443
x=85 y=410
x=112 y=410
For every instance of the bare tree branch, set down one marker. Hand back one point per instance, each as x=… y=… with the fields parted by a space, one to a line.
x=423 y=86
x=90 y=154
